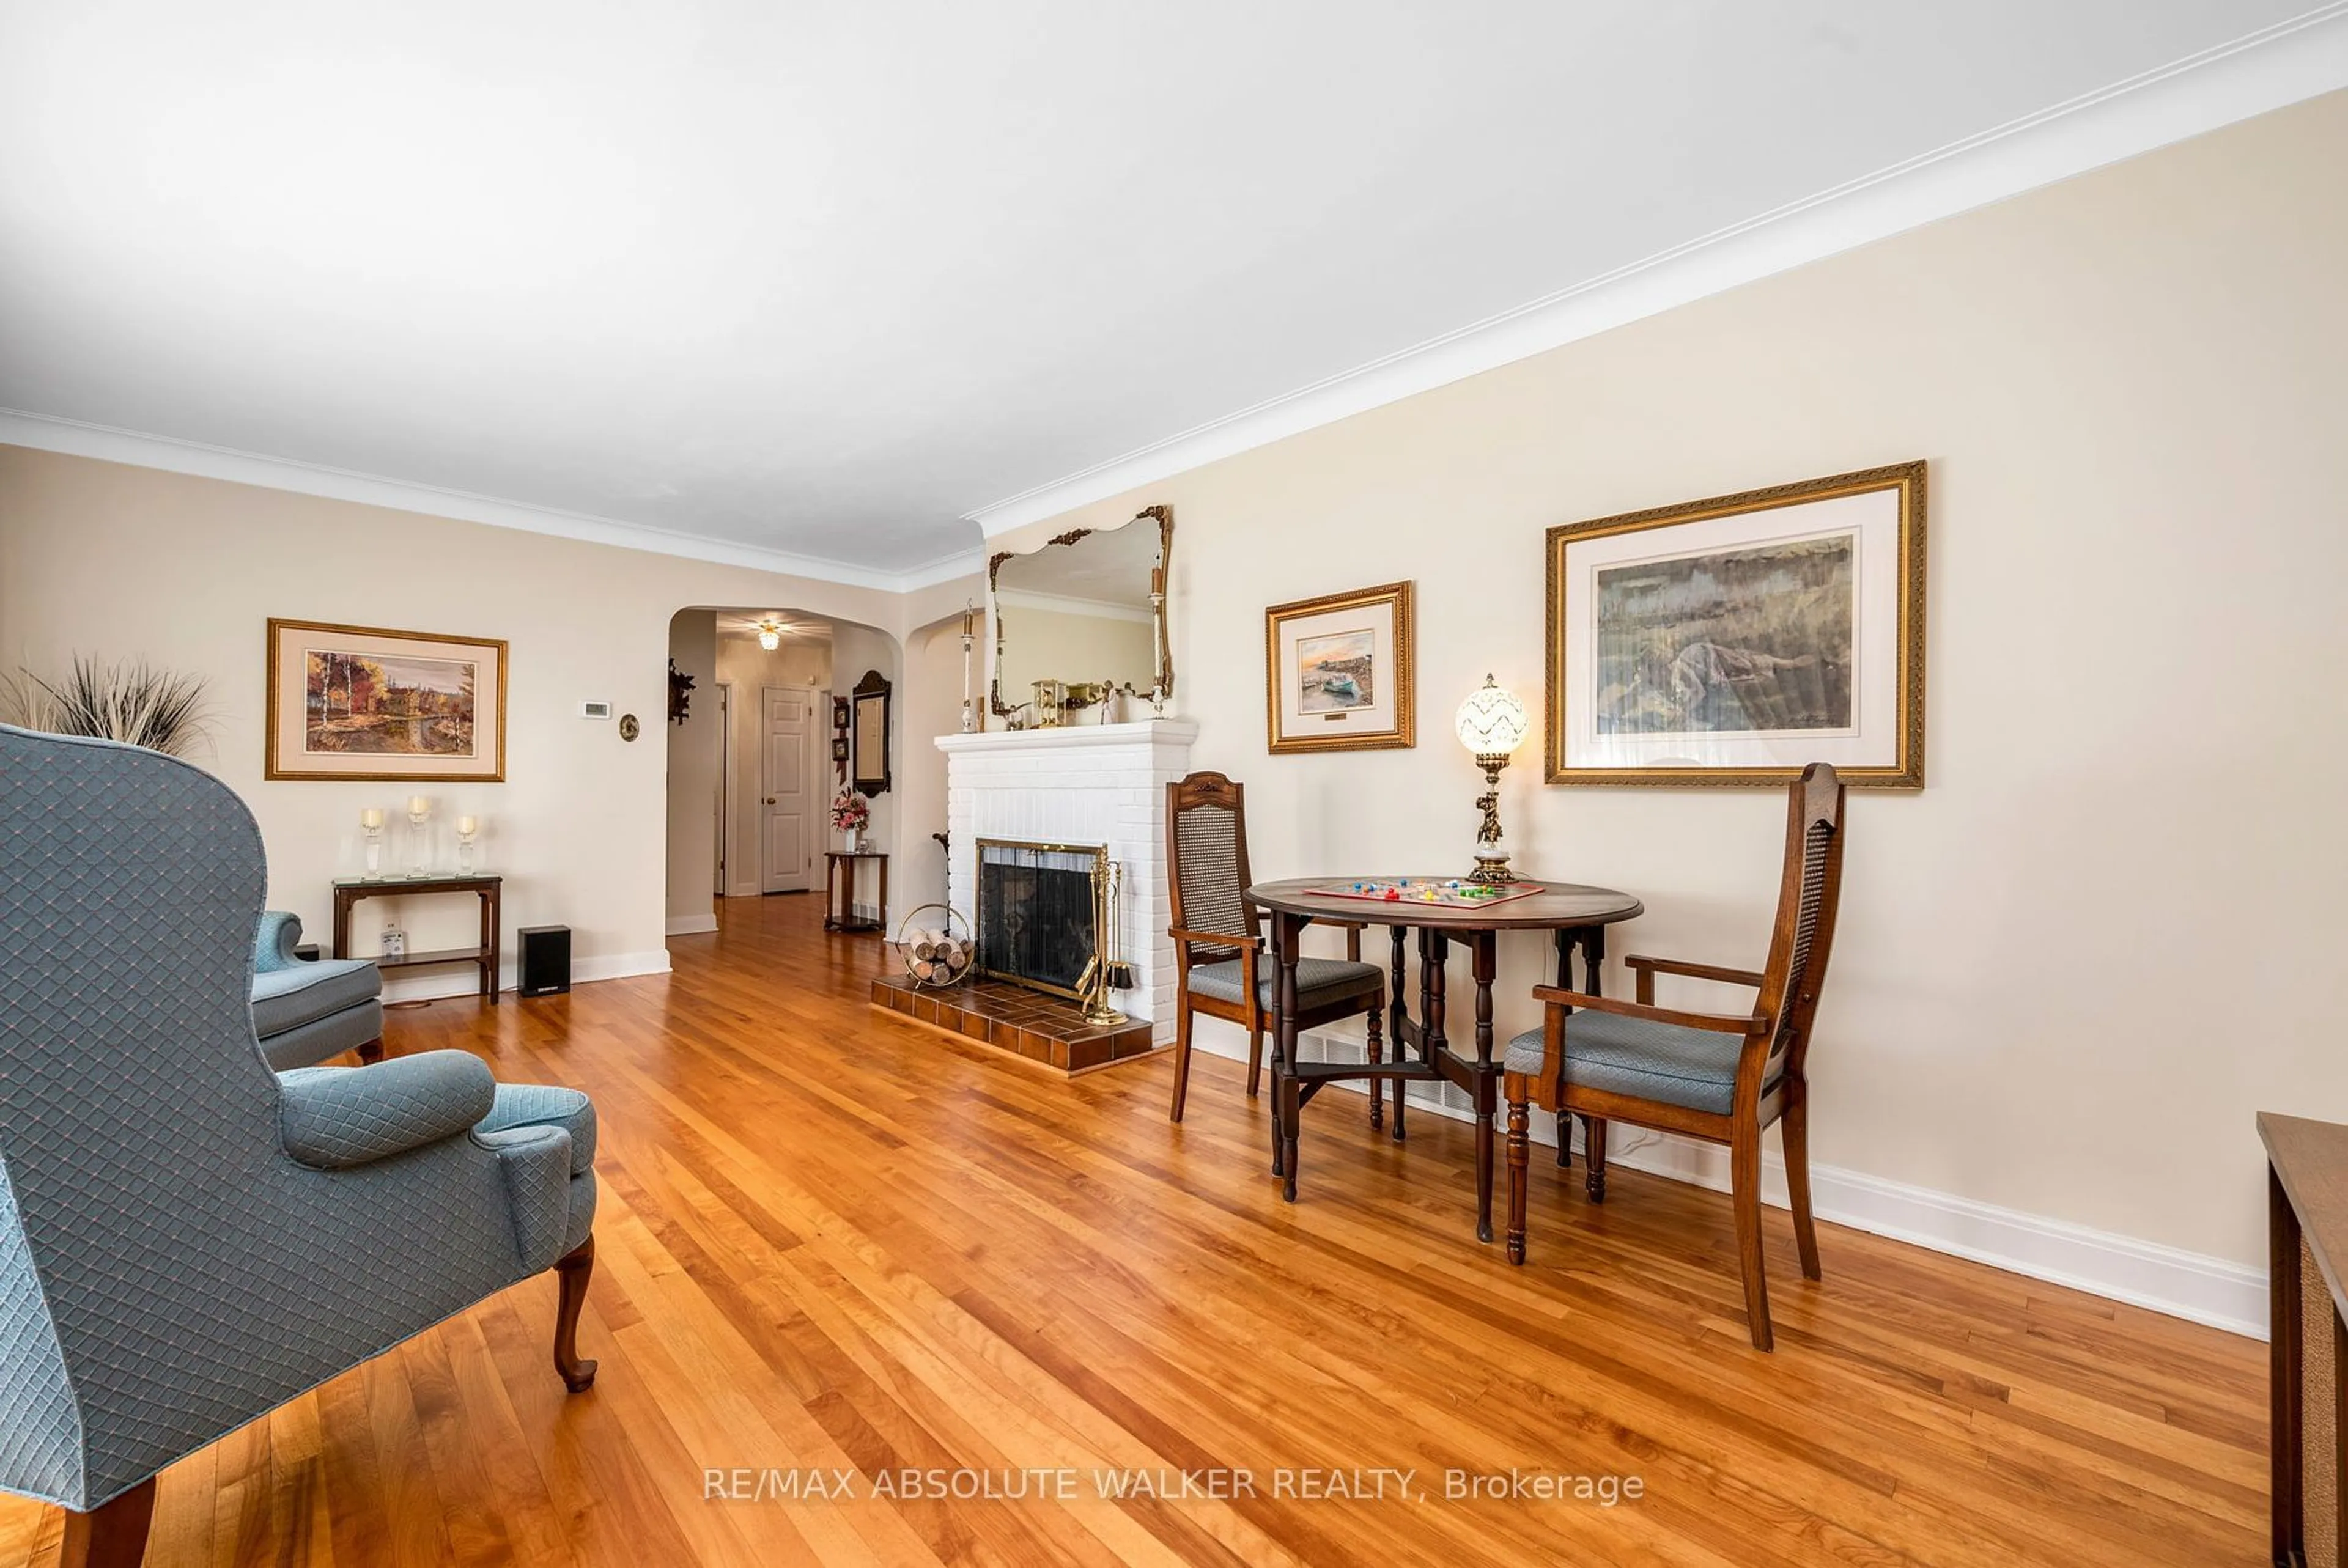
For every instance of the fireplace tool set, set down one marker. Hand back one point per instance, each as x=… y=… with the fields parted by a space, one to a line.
x=1106 y=972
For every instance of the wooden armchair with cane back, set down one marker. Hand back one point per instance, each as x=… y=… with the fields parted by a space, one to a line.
x=1724 y=1078
x=1221 y=966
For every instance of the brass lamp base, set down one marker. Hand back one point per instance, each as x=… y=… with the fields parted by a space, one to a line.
x=1491 y=857
x=1493 y=869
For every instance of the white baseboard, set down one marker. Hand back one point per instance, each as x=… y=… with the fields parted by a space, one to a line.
x=460 y=982
x=691 y=925
x=2199 y=1289
x=2191 y=1285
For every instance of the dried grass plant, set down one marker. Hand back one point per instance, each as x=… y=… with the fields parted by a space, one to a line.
x=131 y=701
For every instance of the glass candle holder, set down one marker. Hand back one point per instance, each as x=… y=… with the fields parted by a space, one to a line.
x=371 y=825
x=419 y=811
x=467 y=829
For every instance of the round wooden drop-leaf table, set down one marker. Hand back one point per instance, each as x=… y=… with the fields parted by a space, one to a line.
x=1577 y=914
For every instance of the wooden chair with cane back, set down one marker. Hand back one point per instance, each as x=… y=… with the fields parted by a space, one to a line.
x=1221 y=967
x=1719 y=1077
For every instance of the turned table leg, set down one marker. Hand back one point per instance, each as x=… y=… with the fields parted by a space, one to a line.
x=1483 y=949
x=1287 y=1109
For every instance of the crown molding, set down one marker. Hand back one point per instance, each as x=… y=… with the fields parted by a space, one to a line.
x=75 y=438
x=2269 y=69
x=945 y=569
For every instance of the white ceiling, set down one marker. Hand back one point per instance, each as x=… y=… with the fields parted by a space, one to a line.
x=827 y=280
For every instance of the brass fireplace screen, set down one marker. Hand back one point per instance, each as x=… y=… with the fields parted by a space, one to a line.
x=1047 y=918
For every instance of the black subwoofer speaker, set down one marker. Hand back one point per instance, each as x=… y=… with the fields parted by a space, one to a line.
x=545 y=960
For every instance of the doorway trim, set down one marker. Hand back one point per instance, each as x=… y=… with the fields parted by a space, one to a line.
x=725 y=824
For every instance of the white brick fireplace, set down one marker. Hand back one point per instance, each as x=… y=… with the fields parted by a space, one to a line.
x=1094 y=784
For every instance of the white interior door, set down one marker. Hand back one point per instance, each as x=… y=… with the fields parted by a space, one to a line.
x=788 y=842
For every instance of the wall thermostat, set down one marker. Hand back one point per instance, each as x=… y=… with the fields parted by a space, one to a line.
x=594 y=710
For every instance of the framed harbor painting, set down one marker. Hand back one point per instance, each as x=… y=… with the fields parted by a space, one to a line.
x=363 y=703
x=1338 y=671
x=1730 y=641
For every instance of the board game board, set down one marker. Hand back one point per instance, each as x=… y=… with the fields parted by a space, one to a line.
x=1453 y=893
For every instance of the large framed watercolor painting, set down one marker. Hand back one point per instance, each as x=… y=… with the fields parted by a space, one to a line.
x=362 y=703
x=1338 y=671
x=1730 y=641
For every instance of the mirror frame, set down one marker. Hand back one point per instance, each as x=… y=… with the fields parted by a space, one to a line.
x=873 y=688
x=1164 y=690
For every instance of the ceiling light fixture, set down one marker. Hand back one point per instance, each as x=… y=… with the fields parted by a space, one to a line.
x=770 y=636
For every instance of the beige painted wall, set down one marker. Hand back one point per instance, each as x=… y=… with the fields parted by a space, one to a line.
x=694 y=752
x=933 y=658
x=2110 y=930
x=112 y=560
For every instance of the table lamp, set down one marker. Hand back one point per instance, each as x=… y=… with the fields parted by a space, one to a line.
x=1491 y=723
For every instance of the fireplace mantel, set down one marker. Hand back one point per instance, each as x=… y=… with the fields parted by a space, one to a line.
x=1073 y=737
x=1078 y=784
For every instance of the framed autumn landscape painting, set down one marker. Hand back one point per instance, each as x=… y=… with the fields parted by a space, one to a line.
x=363 y=703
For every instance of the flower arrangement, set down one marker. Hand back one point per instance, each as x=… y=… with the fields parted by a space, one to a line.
x=850 y=810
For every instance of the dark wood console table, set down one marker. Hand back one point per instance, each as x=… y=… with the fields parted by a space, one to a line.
x=840 y=868
x=350 y=890
x=1577 y=916
x=2307 y=1343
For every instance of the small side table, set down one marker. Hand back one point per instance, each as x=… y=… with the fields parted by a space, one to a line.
x=349 y=890
x=839 y=870
x=2307 y=1338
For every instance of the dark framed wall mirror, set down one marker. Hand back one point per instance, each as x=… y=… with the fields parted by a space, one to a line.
x=1080 y=625
x=868 y=773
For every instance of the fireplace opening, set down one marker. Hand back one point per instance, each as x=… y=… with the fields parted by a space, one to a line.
x=1035 y=912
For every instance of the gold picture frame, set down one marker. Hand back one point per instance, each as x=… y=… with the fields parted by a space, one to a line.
x=1340 y=673
x=417 y=706
x=1728 y=642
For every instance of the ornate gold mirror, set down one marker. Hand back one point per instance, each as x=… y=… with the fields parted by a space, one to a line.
x=1080 y=625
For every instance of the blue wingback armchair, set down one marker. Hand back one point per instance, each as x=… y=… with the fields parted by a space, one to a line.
x=187 y=1238
x=305 y=1011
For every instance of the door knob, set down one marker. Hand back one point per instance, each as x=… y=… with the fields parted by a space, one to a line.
x=770 y=800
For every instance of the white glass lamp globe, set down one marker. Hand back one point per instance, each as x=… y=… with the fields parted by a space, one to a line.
x=1492 y=723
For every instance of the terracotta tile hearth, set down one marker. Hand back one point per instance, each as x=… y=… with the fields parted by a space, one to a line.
x=1047 y=1030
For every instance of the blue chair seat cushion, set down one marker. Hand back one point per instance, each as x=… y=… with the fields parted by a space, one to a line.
x=546 y=1105
x=1692 y=1068
x=1318 y=980
x=304 y=993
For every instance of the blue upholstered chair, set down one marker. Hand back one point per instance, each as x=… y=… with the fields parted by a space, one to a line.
x=307 y=1011
x=187 y=1238
x=1721 y=1077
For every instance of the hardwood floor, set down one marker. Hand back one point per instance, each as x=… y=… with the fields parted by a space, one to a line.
x=833 y=1241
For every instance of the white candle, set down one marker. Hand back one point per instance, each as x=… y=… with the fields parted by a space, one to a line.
x=371 y=817
x=419 y=805
x=469 y=823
